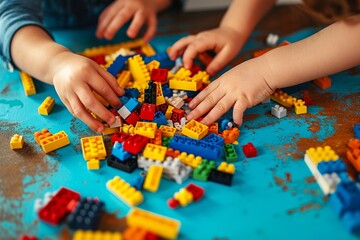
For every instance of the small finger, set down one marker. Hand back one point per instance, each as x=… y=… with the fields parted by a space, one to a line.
x=200 y=97
x=219 y=61
x=106 y=17
x=117 y=22
x=137 y=22
x=100 y=86
x=196 y=47
x=179 y=46
x=220 y=109
x=110 y=80
x=151 y=28
x=238 y=112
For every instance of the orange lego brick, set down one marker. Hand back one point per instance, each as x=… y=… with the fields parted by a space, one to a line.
x=231 y=135
x=172 y=153
x=195 y=129
x=46 y=106
x=214 y=128
x=353 y=155
x=147 y=49
x=146 y=129
x=17 y=142
x=323 y=83
x=155 y=152
x=158 y=138
x=123 y=78
x=354 y=143
x=167 y=131
x=93 y=147
x=28 y=83
x=53 y=142
x=153 y=178
x=41 y=135
x=134 y=233
x=283 y=98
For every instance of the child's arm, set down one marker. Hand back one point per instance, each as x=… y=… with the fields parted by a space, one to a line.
x=226 y=40
x=333 y=49
x=121 y=11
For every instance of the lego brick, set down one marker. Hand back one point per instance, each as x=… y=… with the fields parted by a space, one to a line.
x=166 y=90
x=132 y=104
x=86 y=214
x=147 y=111
x=93 y=164
x=230 y=153
x=346 y=198
x=132 y=93
x=138 y=69
x=160 y=119
x=194 y=69
x=227 y=124
x=263 y=51
x=319 y=154
x=201 y=173
x=158 y=138
x=300 y=107
x=163 y=58
x=167 y=131
x=119 y=152
x=177 y=114
x=190 y=159
x=162 y=108
x=196 y=147
x=214 y=139
x=160 y=225
x=134 y=233
x=152 y=179
x=124 y=191
x=331 y=166
x=117 y=65
x=146 y=129
x=93 y=147
x=357 y=131
x=152 y=65
x=96 y=235
x=203 y=77
x=108 y=130
x=17 y=142
x=184 y=197
x=230 y=135
x=108 y=49
x=133 y=118
x=38 y=136
x=128 y=165
x=46 y=106
x=119 y=137
x=127 y=128
x=186 y=83
x=160 y=99
x=205 y=58
x=135 y=144
x=123 y=79
x=175 y=101
x=27 y=237
x=124 y=112
x=272 y=39
x=159 y=75
x=323 y=83
x=168 y=113
x=226 y=168
x=155 y=152
x=307 y=99
x=278 y=111
x=196 y=191
x=283 y=98
x=138 y=182
x=53 y=142
x=351 y=221
x=214 y=128
x=220 y=177
x=148 y=50
x=249 y=150
x=28 y=83
x=60 y=205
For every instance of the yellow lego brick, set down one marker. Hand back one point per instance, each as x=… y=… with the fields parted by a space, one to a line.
x=167 y=131
x=17 y=142
x=169 y=112
x=182 y=73
x=152 y=65
x=184 y=197
x=300 y=107
x=160 y=99
x=188 y=84
x=190 y=159
x=147 y=49
x=127 y=128
x=123 y=78
x=170 y=75
x=195 y=129
x=162 y=226
x=226 y=167
x=203 y=76
x=108 y=49
x=96 y=235
x=53 y=142
x=153 y=177
x=146 y=129
x=283 y=98
x=108 y=130
x=101 y=99
x=46 y=106
x=93 y=147
x=41 y=135
x=28 y=83
x=320 y=154
x=138 y=69
x=93 y=164
x=155 y=152
x=124 y=191
x=135 y=233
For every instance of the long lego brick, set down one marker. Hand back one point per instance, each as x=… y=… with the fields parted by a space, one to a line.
x=162 y=226
x=46 y=106
x=61 y=204
x=123 y=79
x=56 y=141
x=148 y=50
x=283 y=98
x=93 y=147
x=117 y=65
x=196 y=147
x=128 y=165
x=220 y=177
x=163 y=58
x=153 y=177
x=124 y=191
x=28 y=83
x=96 y=235
x=138 y=69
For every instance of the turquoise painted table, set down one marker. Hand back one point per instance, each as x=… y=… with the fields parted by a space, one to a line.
x=273 y=195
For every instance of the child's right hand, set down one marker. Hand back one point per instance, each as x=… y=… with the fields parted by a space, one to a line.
x=225 y=41
x=74 y=78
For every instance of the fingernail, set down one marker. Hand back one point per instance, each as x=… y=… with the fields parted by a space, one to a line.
x=112 y=120
x=122 y=92
x=100 y=129
x=191 y=104
x=189 y=116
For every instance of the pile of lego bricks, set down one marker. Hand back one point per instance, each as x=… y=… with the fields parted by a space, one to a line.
x=339 y=179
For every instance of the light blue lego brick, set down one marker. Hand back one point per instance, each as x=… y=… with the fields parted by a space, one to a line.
x=124 y=100
x=132 y=104
x=357 y=131
x=138 y=182
x=119 y=152
x=351 y=221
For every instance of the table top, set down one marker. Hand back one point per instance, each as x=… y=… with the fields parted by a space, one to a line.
x=272 y=196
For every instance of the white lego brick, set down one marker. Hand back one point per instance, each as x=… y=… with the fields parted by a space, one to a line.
x=175 y=101
x=278 y=111
x=124 y=112
x=272 y=39
x=178 y=126
x=170 y=123
x=117 y=123
x=183 y=121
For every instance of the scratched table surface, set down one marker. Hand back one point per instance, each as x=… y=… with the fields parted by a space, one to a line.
x=262 y=203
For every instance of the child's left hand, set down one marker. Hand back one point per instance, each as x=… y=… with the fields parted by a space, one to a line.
x=243 y=86
x=121 y=11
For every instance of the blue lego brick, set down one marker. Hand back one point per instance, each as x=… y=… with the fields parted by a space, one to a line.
x=346 y=198
x=344 y=177
x=167 y=92
x=214 y=139
x=163 y=58
x=351 y=221
x=132 y=92
x=196 y=147
x=226 y=124
x=192 y=94
x=160 y=119
x=138 y=182
x=357 y=131
x=124 y=100
x=129 y=165
x=332 y=166
x=117 y=65
x=132 y=104
x=119 y=152
x=86 y=214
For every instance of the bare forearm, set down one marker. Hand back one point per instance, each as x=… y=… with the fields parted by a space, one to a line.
x=243 y=15
x=334 y=49
x=33 y=50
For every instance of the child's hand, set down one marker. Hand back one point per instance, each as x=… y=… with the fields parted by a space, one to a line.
x=242 y=87
x=225 y=41
x=121 y=11
x=74 y=78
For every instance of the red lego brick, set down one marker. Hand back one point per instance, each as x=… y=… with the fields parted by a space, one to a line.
x=177 y=114
x=135 y=144
x=188 y=100
x=100 y=59
x=151 y=236
x=159 y=75
x=133 y=118
x=307 y=99
x=119 y=137
x=162 y=108
x=147 y=111
x=194 y=70
x=173 y=203
x=27 y=237
x=59 y=206
x=196 y=191
x=249 y=150
x=205 y=58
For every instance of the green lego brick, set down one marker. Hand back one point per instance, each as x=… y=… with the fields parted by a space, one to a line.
x=166 y=141
x=230 y=153
x=201 y=173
